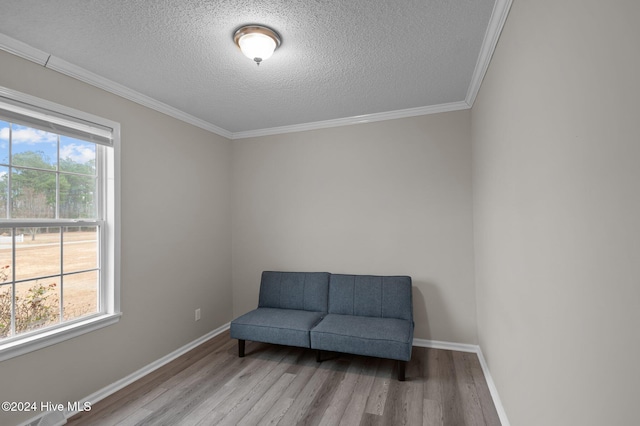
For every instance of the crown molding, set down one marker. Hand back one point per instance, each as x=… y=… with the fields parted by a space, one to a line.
x=496 y=23
x=23 y=50
x=93 y=79
x=491 y=36
x=359 y=119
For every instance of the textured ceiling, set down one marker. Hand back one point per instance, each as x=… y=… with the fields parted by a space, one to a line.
x=339 y=58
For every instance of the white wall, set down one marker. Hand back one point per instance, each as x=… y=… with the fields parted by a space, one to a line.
x=176 y=246
x=557 y=213
x=390 y=197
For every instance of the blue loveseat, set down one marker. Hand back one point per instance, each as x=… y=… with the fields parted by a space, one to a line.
x=356 y=314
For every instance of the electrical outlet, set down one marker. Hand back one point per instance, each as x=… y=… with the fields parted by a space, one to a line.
x=198 y=314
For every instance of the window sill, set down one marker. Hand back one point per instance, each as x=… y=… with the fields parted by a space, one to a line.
x=39 y=340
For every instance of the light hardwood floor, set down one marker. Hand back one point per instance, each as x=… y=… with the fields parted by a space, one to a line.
x=279 y=385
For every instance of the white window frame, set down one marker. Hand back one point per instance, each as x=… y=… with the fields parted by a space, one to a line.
x=109 y=205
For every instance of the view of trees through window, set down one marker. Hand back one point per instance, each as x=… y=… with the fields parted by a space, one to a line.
x=49 y=263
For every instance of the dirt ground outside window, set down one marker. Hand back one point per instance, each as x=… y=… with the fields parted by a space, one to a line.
x=41 y=257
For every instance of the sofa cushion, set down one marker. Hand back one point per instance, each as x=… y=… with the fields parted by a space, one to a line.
x=381 y=337
x=371 y=296
x=280 y=326
x=308 y=291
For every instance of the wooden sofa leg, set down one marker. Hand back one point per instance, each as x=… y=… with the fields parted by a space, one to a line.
x=318 y=355
x=401 y=370
x=240 y=348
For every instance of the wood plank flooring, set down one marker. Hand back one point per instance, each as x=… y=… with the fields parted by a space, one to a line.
x=279 y=385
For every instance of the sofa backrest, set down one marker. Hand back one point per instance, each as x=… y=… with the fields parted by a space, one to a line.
x=371 y=296
x=307 y=291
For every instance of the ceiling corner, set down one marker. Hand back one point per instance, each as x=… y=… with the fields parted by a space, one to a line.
x=494 y=29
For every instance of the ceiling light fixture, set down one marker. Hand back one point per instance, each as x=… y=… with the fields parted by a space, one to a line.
x=257 y=42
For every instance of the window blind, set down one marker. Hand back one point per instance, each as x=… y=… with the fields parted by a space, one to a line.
x=43 y=119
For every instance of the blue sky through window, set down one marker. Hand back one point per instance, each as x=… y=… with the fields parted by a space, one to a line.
x=25 y=139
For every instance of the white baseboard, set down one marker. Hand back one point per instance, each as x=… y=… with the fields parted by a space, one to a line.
x=461 y=347
x=48 y=418
x=493 y=390
x=450 y=346
x=116 y=386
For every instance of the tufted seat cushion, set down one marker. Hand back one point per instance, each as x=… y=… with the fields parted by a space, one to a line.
x=280 y=326
x=381 y=337
x=368 y=315
x=290 y=304
x=358 y=314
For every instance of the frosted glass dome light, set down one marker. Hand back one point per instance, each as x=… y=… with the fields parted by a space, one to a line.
x=257 y=42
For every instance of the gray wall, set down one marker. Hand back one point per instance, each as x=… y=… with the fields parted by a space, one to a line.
x=176 y=246
x=390 y=197
x=381 y=198
x=555 y=220
x=557 y=213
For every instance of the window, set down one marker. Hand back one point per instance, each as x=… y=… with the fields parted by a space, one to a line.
x=58 y=230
